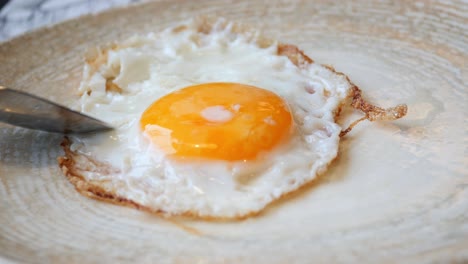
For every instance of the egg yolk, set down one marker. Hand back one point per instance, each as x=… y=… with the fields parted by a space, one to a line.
x=226 y=121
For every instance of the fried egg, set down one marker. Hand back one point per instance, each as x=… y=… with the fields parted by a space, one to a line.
x=210 y=122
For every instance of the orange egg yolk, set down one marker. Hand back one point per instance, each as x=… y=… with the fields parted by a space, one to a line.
x=226 y=121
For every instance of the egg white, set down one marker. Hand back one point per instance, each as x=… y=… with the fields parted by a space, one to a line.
x=148 y=67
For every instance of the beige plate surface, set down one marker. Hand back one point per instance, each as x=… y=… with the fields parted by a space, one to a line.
x=397 y=192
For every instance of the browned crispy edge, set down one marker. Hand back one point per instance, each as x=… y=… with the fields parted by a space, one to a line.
x=87 y=188
x=93 y=190
x=205 y=25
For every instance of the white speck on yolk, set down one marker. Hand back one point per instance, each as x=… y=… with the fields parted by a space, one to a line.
x=236 y=107
x=217 y=114
x=269 y=120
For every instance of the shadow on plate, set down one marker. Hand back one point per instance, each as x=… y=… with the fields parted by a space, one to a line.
x=20 y=147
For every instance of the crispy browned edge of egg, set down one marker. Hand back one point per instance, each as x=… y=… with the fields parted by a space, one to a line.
x=205 y=24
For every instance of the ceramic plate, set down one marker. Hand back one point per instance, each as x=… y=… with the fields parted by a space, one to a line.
x=398 y=192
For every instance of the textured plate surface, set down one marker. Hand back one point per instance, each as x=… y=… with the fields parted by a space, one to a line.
x=397 y=192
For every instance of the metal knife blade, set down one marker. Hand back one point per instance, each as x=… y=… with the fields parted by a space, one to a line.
x=26 y=110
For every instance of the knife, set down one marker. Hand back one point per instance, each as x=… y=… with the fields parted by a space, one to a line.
x=26 y=110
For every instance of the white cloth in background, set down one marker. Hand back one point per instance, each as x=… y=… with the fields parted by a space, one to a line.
x=19 y=16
